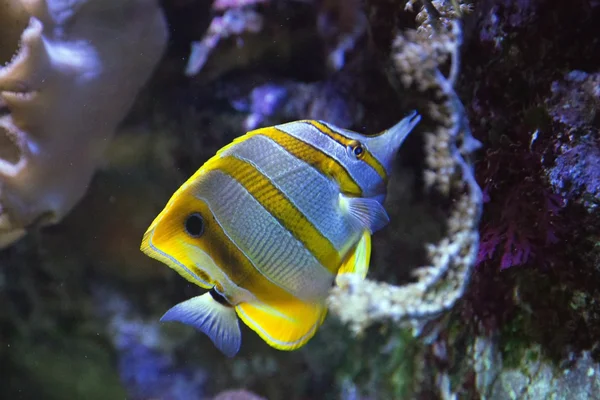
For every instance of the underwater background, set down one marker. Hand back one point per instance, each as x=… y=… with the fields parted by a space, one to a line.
x=485 y=284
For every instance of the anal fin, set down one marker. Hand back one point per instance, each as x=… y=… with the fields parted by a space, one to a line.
x=219 y=322
x=283 y=325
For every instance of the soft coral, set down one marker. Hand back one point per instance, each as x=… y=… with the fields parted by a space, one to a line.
x=522 y=217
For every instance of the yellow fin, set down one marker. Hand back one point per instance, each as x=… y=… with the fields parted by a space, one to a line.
x=358 y=261
x=285 y=326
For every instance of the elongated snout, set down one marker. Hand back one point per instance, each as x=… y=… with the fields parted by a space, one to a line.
x=385 y=145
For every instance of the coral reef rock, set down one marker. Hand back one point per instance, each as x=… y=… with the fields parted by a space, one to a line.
x=574 y=103
x=237 y=395
x=69 y=72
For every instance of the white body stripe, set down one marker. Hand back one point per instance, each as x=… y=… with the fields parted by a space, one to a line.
x=273 y=251
x=362 y=173
x=315 y=195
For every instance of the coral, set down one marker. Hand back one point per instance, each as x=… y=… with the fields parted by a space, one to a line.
x=574 y=103
x=575 y=173
x=48 y=279
x=577 y=381
x=63 y=94
x=272 y=103
x=529 y=220
x=221 y=5
x=527 y=329
x=370 y=369
x=247 y=36
x=528 y=78
x=417 y=56
x=235 y=20
x=237 y=395
x=341 y=23
x=146 y=363
x=575 y=100
x=548 y=119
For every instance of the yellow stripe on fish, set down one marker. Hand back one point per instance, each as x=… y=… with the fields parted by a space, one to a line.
x=278 y=205
x=313 y=156
x=344 y=141
x=285 y=322
x=268 y=222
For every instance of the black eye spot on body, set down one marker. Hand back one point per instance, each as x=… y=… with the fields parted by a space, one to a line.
x=218 y=297
x=194 y=225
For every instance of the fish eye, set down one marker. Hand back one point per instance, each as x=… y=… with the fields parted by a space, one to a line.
x=194 y=225
x=357 y=150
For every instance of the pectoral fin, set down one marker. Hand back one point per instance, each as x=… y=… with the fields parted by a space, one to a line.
x=358 y=261
x=365 y=213
x=219 y=322
x=285 y=326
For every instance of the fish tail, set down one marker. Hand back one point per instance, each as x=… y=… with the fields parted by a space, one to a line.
x=218 y=321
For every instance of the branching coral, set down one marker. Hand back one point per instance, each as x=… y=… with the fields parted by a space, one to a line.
x=418 y=60
x=274 y=102
x=527 y=223
x=340 y=25
x=237 y=18
x=77 y=71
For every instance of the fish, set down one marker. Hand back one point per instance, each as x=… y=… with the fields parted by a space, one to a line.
x=269 y=223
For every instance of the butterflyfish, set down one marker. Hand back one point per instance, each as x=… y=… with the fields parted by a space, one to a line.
x=268 y=223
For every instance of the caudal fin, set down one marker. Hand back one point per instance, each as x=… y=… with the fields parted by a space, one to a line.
x=217 y=321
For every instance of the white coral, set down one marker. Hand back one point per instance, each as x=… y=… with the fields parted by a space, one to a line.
x=417 y=57
x=79 y=66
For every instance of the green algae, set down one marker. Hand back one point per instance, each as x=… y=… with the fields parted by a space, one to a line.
x=381 y=364
x=51 y=345
x=515 y=342
x=72 y=368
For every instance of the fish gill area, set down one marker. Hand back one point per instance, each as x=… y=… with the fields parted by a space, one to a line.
x=485 y=284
